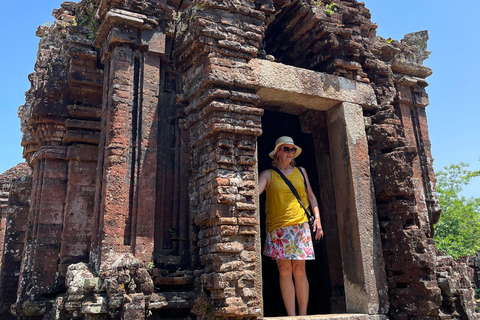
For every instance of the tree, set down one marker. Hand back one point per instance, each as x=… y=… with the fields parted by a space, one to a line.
x=458 y=230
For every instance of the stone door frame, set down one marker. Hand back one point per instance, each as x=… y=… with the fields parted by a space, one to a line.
x=343 y=100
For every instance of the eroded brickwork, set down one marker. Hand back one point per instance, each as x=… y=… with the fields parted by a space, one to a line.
x=456 y=279
x=19 y=171
x=61 y=126
x=404 y=181
x=223 y=121
x=16 y=216
x=143 y=127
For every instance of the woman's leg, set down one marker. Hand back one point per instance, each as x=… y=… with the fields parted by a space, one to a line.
x=287 y=287
x=301 y=285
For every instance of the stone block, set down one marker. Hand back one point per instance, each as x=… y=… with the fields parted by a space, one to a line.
x=157 y=302
x=134 y=307
x=99 y=305
x=143 y=281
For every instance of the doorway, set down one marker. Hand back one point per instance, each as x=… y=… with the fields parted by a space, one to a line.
x=276 y=124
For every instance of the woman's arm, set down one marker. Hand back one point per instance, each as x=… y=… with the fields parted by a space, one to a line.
x=317 y=226
x=263 y=181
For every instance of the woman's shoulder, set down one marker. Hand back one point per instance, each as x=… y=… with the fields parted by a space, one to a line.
x=265 y=173
x=302 y=169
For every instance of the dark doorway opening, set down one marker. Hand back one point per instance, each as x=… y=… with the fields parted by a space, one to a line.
x=276 y=124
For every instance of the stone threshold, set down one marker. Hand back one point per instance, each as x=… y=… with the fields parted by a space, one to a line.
x=343 y=316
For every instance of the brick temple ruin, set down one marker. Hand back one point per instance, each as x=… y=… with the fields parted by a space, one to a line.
x=146 y=124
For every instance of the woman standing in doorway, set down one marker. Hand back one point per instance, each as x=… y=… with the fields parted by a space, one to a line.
x=288 y=239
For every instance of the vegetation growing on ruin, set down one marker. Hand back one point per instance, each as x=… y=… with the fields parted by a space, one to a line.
x=329 y=7
x=458 y=230
x=86 y=17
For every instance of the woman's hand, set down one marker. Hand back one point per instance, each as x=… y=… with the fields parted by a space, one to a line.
x=317 y=226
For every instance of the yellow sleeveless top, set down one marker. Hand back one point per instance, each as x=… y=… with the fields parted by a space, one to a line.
x=281 y=207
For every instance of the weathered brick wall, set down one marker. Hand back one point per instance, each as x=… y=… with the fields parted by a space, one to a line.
x=60 y=121
x=456 y=279
x=336 y=40
x=403 y=176
x=223 y=123
x=142 y=130
x=15 y=231
x=20 y=170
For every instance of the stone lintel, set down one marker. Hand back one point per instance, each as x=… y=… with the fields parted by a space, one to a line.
x=291 y=86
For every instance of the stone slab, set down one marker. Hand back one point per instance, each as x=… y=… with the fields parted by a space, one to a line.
x=346 y=316
x=287 y=85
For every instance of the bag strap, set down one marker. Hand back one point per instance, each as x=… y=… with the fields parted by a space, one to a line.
x=292 y=188
x=304 y=180
x=310 y=216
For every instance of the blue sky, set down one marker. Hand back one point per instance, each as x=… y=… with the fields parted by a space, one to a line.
x=454 y=88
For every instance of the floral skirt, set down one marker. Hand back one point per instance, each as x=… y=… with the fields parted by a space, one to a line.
x=290 y=243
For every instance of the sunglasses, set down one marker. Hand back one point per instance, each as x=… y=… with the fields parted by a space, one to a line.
x=288 y=149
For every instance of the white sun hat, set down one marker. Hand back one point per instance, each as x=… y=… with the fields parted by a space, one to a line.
x=285 y=140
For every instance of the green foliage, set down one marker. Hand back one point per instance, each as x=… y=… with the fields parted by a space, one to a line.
x=389 y=40
x=329 y=8
x=88 y=9
x=458 y=230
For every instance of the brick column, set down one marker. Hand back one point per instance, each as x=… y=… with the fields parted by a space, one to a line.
x=411 y=102
x=223 y=122
x=45 y=223
x=77 y=222
x=125 y=200
x=361 y=248
x=425 y=209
